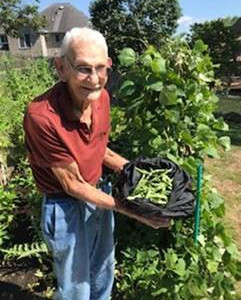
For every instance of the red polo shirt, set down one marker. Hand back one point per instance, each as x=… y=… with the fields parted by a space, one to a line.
x=54 y=137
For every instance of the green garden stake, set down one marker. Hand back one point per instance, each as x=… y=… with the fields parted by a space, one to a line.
x=198 y=204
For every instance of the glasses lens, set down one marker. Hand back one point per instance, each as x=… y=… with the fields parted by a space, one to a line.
x=84 y=70
x=101 y=71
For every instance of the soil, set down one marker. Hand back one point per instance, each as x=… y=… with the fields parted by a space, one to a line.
x=15 y=282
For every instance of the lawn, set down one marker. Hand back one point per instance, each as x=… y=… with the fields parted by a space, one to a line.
x=226 y=178
x=228 y=104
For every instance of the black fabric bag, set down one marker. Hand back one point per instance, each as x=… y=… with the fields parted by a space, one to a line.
x=181 y=201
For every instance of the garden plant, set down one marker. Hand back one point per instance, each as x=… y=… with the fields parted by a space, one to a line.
x=166 y=104
x=166 y=108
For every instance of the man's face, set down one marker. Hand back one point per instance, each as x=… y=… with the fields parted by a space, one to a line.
x=86 y=71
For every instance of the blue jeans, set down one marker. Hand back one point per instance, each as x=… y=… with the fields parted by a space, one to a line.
x=80 y=236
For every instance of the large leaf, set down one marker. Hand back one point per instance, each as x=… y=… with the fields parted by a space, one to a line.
x=180 y=267
x=199 y=46
x=127 y=57
x=155 y=86
x=158 y=66
x=212 y=152
x=127 y=88
x=225 y=142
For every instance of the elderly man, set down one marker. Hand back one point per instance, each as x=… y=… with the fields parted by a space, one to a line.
x=66 y=132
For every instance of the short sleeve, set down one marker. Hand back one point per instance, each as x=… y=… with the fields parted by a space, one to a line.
x=45 y=148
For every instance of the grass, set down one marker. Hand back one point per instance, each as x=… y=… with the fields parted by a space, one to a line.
x=226 y=171
x=228 y=104
x=226 y=178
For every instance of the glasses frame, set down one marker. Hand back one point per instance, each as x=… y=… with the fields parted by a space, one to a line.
x=92 y=70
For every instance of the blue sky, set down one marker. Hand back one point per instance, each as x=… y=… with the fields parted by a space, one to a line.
x=203 y=10
x=192 y=10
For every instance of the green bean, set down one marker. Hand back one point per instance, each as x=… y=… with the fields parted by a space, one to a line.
x=154 y=184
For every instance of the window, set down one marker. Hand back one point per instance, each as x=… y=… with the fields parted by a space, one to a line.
x=25 y=41
x=3 y=42
x=57 y=38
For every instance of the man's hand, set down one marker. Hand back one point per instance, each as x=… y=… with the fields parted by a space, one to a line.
x=154 y=222
x=113 y=160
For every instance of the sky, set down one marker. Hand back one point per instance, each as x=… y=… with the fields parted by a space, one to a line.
x=192 y=10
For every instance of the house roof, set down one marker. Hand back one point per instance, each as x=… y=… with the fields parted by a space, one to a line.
x=61 y=17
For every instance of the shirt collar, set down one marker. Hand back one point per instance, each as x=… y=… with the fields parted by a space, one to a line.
x=65 y=103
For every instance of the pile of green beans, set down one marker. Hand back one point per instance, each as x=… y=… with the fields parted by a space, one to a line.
x=154 y=185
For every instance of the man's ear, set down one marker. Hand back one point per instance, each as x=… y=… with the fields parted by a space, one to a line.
x=60 y=68
x=109 y=62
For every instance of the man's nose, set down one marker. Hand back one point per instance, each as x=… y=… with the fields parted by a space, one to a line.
x=94 y=76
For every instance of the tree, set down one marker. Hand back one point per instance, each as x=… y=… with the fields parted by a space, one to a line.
x=134 y=23
x=223 y=45
x=14 y=15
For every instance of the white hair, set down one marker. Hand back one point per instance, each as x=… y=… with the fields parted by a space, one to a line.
x=83 y=34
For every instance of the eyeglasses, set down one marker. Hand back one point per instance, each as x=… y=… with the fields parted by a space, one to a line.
x=85 y=71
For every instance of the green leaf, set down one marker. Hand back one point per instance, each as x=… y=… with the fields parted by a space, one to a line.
x=199 y=46
x=156 y=86
x=233 y=251
x=221 y=125
x=212 y=152
x=187 y=137
x=127 y=57
x=180 y=267
x=127 y=88
x=158 y=66
x=146 y=60
x=204 y=78
x=195 y=290
x=159 y=292
x=171 y=259
x=152 y=253
x=225 y=142
x=169 y=96
x=172 y=158
x=201 y=240
x=212 y=266
x=172 y=115
x=216 y=200
x=204 y=129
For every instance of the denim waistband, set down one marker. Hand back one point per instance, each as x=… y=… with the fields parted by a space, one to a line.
x=58 y=195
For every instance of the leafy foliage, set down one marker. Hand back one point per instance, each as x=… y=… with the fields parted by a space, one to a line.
x=26 y=250
x=223 y=44
x=20 y=202
x=14 y=15
x=7 y=206
x=19 y=87
x=166 y=109
x=169 y=104
x=134 y=23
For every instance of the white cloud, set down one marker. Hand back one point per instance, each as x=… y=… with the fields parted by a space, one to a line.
x=186 y=20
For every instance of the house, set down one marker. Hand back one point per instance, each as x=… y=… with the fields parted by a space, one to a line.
x=60 y=17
